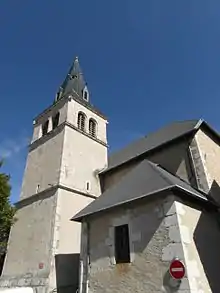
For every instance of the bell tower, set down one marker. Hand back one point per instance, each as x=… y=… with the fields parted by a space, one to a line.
x=68 y=148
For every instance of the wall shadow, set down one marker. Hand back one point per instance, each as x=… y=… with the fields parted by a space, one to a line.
x=214 y=192
x=207 y=241
x=67 y=272
x=174 y=157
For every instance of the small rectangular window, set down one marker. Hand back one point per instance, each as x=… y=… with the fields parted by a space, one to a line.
x=122 y=247
x=38 y=187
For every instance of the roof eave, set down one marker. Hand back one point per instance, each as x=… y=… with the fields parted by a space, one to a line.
x=201 y=198
x=158 y=191
x=210 y=130
x=200 y=123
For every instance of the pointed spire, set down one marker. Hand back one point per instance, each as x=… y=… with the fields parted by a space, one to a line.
x=74 y=82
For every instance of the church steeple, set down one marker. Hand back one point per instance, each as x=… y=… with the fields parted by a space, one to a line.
x=74 y=83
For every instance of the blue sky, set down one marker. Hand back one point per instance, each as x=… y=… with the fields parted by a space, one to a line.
x=147 y=63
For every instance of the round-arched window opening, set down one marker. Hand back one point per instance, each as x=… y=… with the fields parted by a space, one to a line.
x=85 y=95
x=45 y=128
x=92 y=127
x=55 y=120
x=81 y=121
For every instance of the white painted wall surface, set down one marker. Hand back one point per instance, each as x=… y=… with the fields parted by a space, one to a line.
x=17 y=290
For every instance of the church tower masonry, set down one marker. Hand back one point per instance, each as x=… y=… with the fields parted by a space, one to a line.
x=67 y=151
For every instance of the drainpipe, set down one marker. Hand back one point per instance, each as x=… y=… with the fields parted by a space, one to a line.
x=85 y=261
x=81 y=277
x=88 y=257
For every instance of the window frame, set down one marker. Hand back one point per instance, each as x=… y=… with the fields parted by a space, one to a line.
x=45 y=127
x=85 y=96
x=122 y=246
x=93 y=129
x=55 y=120
x=81 y=124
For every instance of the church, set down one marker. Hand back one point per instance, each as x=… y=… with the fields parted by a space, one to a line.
x=144 y=219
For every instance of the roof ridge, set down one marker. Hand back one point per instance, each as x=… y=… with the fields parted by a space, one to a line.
x=143 y=180
x=180 y=179
x=199 y=123
x=156 y=139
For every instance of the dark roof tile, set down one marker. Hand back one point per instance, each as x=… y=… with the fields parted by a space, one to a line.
x=144 y=180
x=152 y=141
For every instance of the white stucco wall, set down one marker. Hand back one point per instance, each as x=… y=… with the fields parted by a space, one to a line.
x=200 y=237
x=81 y=158
x=43 y=166
x=44 y=233
x=72 y=113
x=60 y=107
x=69 y=232
x=17 y=290
x=30 y=239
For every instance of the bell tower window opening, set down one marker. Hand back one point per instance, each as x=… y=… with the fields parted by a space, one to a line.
x=92 y=127
x=81 y=121
x=85 y=95
x=45 y=128
x=55 y=120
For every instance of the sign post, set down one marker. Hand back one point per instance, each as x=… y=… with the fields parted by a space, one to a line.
x=177 y=269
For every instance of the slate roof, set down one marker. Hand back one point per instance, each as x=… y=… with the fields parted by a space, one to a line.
x=74 y=81
x=145 y=179
x=152 y=141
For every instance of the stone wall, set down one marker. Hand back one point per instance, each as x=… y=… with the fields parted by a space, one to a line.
x=198 y=166
x=154 y=241
x=209 y=150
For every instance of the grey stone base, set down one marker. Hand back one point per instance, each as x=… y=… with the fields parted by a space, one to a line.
x=38 y=284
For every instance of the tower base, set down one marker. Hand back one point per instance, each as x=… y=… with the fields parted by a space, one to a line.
x=28 y=282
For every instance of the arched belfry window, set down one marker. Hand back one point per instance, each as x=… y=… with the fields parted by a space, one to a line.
x=55 y=120
x=45 y=128
x=85 y=94
x=92 y=127
x=81 y=121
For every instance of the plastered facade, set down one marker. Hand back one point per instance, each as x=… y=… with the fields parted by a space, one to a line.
x=64 y=157
x=43 y=166
x=74 y=108
x=200 y=237
x=155 y=240
x=81 y=158
x=60 y=179
x=67 y=202
x=60 y=107
x=30 y=244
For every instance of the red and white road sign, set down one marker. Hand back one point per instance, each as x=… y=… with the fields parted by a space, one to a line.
x=177 y=269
